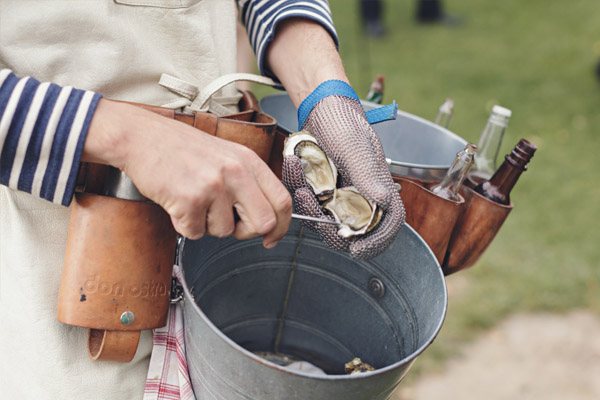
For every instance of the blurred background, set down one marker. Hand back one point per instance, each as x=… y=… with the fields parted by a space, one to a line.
x=525 y=321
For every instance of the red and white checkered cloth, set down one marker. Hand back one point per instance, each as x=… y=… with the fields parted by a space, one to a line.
x=168 y=377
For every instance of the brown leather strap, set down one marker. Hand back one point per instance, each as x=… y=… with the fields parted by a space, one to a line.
x=249 y=127
x=113 y=345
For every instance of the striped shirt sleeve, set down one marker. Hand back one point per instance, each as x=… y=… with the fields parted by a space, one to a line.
x=42 y=132
x=261 y=18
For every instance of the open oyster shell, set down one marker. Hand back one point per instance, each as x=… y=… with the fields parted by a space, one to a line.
x=355 y=214
x=353 y=211
x=319 y=170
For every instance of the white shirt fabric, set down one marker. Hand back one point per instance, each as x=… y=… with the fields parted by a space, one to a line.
x=118 y=48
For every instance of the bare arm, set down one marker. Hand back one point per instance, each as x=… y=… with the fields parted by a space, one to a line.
x=302 y=56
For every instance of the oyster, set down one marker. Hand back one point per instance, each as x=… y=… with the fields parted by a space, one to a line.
x=319 y=171
x=353 y=211
x=355 y=214
x=357 y=366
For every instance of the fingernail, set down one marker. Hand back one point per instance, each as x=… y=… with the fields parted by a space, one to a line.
x=270 y=245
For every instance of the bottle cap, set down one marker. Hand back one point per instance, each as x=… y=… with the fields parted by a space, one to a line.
x=502 y=111
x=447 y=106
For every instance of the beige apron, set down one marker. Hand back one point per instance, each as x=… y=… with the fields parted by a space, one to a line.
x=119 y=48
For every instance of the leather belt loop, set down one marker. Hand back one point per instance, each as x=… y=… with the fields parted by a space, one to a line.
x=206 y=122
x=118 y=346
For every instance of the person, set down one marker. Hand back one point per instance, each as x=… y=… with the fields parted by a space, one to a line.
x=63 y=64
x=426 y=11
x=430 y=11
x=371 y=12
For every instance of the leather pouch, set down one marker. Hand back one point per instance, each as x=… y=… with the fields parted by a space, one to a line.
x=433 y=217
x=117 y=274
x=475 y=229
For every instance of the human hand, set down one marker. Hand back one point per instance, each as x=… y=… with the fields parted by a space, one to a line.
x=339 y=124
x=197 y=178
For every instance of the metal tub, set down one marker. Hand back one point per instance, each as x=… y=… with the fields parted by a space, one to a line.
x=309 y=302
x=417 y=148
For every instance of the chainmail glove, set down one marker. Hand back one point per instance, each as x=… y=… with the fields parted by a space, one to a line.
x=335 y=117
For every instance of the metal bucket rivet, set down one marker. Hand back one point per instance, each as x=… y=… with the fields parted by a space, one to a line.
x=376 y=287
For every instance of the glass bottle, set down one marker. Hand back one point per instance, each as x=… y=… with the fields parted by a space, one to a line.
x=449 y=186
x=444 y=114
x=504 y=179
x=375 y=94
x=486 y=159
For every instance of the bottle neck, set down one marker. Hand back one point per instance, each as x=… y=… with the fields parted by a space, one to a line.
x=375 y=93
x=506 y=177
x=456 y=174
x=498 y=188
x=443 y=119
x=445 y=113
x=486 y=159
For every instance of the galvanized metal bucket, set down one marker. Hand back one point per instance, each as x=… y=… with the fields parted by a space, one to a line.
x=309 y=302
x=416 y=148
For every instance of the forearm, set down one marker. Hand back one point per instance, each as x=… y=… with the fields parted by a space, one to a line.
x=302 y=56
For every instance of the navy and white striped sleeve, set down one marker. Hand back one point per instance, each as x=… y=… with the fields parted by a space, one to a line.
x=261 y=18
x=42 y=132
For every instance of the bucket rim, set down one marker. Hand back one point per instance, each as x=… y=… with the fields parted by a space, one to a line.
x=429 y=167
x=379 y=371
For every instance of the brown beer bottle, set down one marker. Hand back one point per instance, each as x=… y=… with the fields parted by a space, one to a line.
x=504 y=179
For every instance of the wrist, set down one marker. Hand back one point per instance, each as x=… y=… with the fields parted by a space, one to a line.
x=332 y=87
x=107 y=141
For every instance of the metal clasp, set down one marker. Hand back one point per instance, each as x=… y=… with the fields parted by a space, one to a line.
x=176 y=291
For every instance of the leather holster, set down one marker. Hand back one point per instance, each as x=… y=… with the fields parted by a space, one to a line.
x=119 y=256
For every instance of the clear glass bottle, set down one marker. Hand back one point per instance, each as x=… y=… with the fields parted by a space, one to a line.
x=449 y=186
x=486 y=159
x=504 y=179
x=375 y=94
x=444 y=114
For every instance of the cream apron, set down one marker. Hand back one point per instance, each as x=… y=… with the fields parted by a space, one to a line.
x=118 y=48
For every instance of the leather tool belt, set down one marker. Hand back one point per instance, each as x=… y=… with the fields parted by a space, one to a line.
x=121 y=247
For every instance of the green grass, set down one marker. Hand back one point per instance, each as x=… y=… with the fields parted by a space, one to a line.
x=536 y=57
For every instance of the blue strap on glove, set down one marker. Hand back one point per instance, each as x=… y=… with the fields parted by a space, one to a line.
x=341 y=88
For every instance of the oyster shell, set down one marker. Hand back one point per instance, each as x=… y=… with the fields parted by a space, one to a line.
x=357 y=366
x=353 y=211
x=355 y=214
x=319 y=171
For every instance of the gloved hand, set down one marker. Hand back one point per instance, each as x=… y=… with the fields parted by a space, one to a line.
x=333 y=114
